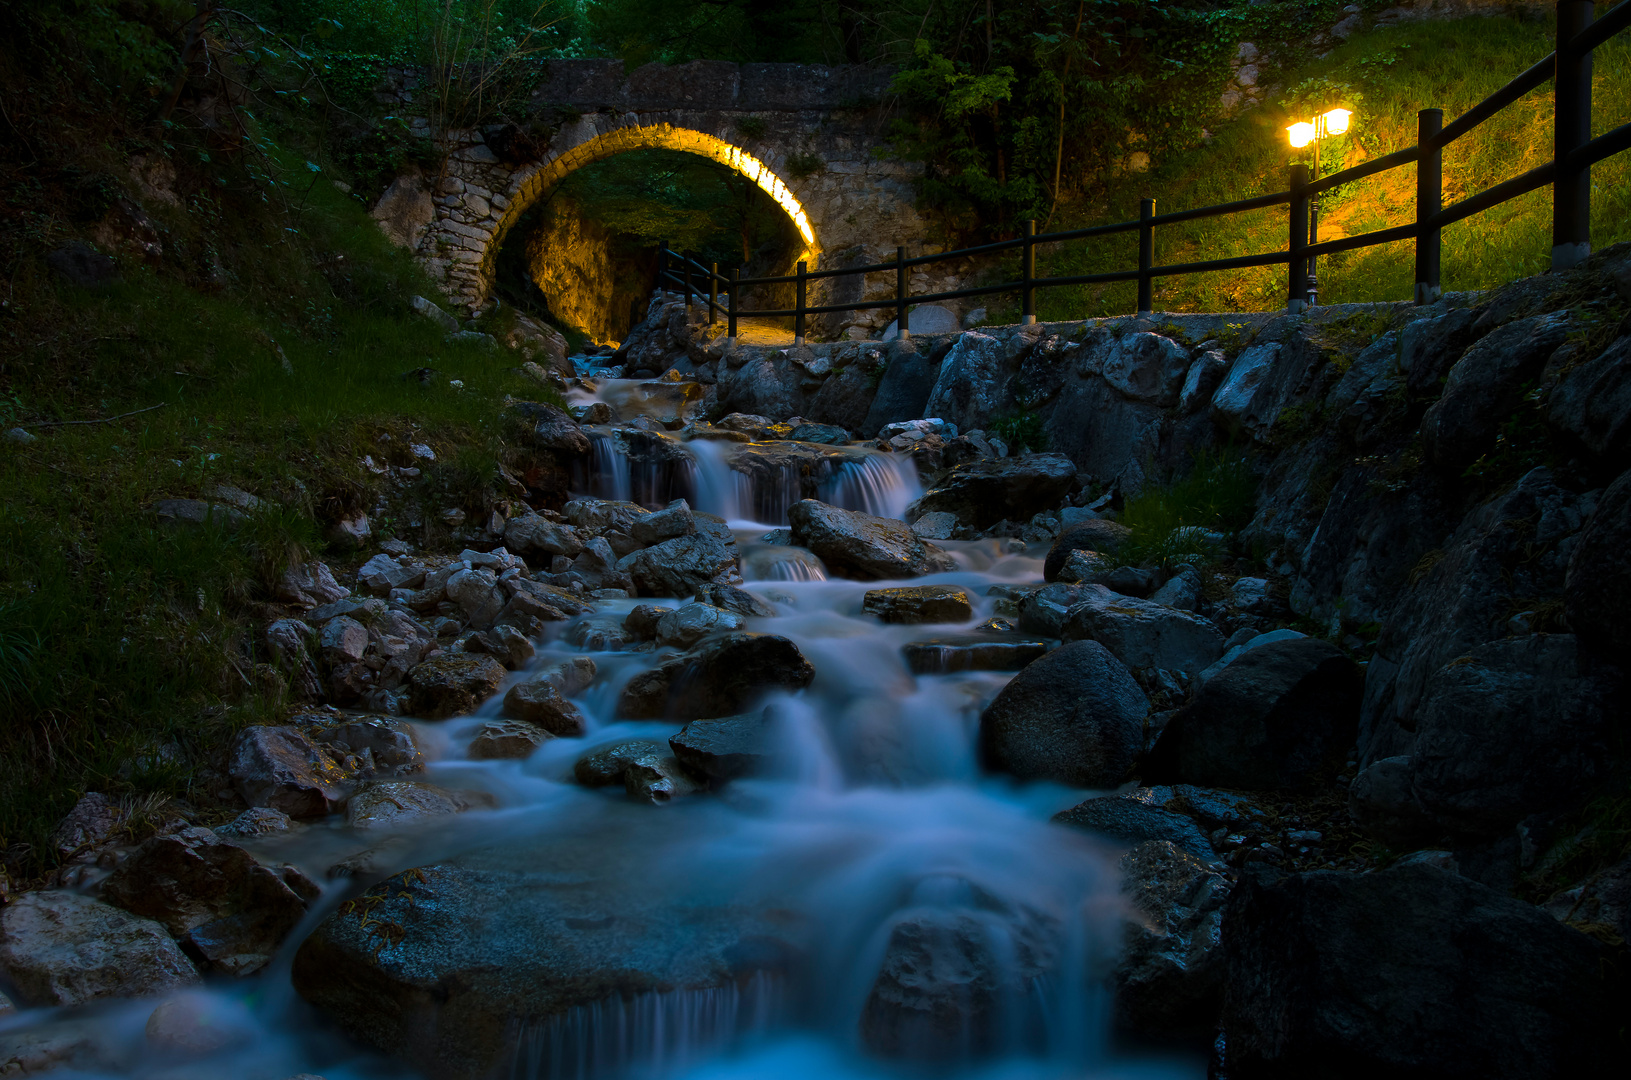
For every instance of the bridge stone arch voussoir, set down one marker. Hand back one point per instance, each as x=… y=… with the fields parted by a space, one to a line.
x=482 y=198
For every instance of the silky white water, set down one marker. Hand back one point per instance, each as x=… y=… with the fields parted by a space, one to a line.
x=876 y=815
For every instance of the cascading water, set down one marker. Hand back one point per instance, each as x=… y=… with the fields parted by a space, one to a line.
x=880 y=484
x=610 y=476
x=899 y=911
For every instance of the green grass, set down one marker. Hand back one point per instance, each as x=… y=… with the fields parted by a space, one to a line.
x=119 y=637
x=1394 y=72
x=1218 y=493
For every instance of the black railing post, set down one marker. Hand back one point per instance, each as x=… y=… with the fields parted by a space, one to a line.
x=1571 y=189
x=731 y=296
x=1297 y=294
x=1429 y=201
x=902 y=329
x=662 y=267
x=713 y=293
x=1027 y=273
x=798 y=309
x=1146 y=256
x=685 y=276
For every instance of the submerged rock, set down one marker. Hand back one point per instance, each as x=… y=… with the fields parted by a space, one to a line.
x=1075 y=717
x=395 y=803
x=864 y=547
x=63 y=948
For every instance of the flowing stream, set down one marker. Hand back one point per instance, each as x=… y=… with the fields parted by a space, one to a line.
x=876 y=817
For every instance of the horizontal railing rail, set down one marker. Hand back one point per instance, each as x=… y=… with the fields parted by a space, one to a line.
x=1574 y=151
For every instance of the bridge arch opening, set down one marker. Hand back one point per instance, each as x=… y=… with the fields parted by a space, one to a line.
x=581 y=232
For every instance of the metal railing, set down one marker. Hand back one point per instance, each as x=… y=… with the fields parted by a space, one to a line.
x=1569 y=174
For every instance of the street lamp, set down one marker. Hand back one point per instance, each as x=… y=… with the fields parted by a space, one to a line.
x=1301 y=134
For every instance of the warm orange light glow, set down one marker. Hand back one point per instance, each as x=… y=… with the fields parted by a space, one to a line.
x=1336 y=121
x=1301 y=134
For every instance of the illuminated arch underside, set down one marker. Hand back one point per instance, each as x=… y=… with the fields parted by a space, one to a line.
x=661 y=137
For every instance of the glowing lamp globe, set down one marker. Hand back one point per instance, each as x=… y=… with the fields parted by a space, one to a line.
x=1336 y=121
x=1301 y=134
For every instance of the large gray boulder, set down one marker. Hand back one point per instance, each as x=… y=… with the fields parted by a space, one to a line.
x=987 y=490
x=1076 y=716
x=1592 y=401
x=1516 y=727
x=1105 y=537
x=863 y=547
x=1410 y=972
x=1276 y=718
x=226 y=908
x=1142 y=634
x=64 y=948
x=971 y=383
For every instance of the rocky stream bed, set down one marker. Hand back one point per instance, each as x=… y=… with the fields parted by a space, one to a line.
x=797 y=724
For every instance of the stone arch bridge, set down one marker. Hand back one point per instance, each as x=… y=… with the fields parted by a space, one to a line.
x=754 y=117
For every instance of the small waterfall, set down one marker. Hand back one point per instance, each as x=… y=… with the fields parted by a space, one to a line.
x=717 y=485
x=883 y=485
x=609 y=475
x=652 y=1035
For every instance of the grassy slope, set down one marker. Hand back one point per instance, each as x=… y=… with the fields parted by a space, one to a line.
x=1451 y=65
x=118 y=637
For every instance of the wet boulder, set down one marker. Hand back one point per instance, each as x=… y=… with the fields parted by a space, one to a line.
x=228 y=910
x=957 y=982
x=434 y=965
x=683 y=565
x=988 y=490
x=690 y=623
x=734 y=599
x=720 y=678
x=1276 y=718
x=539 y=702
x=506 y=739
x=1411 y=971
x=64 y=948
x=1169 y=982
x=1103 y=537
x=1076 y=716
x=725 y=747
x=919 y=604
x=863 y=547
x=452 y=684
x=1142 y=634
x=605 y=765
x=284 y=769
x=1516 y=727
x=1132 y=818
